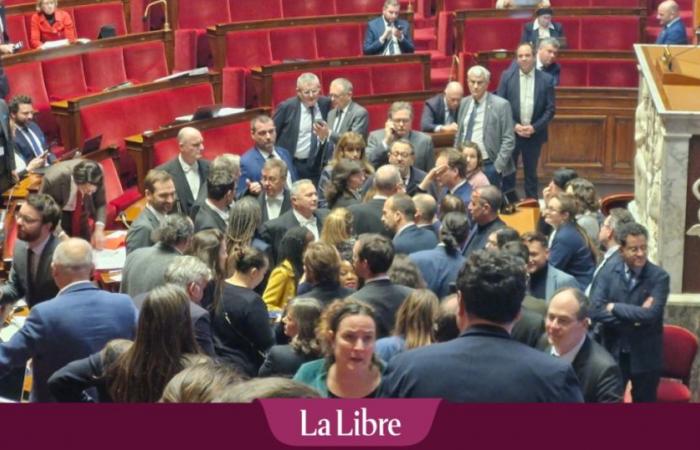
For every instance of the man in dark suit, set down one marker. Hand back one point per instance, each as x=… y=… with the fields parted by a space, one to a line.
x=547 y=51
x=274 y=199
x=372 y=256
x=78 y=188
x=159 y=191
x=567 y=325
x=440 y=112
x=300 y=120
x=530 y=93
x=628 y=299
x=388 y=35
x=30 y=275
x=606 y=237
x=367 y=217
x=673 y=31
x=401 y=156
x=426 y=209
x=484 y=364
x=304 y=213
x=398 y=126
x=79 y=321
x=346 y=115
x=189 y=170
x=145 y=267
x=264 y=134
x=542 y=27
x=397 y=216
x=30 y=142
x=484 y=207
x=214 y=212
x=487 y=120
x=8 y=176
x=545 y=279
x=6 y=48
x=449 y=176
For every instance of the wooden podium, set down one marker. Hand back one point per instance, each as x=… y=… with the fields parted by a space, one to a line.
x=667 y=159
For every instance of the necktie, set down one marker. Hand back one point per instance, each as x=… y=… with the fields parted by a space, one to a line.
x=271 y=156
x=314 y=138
x=33 y=141
x=470 y=123
x=338 y=119
x=77 y=219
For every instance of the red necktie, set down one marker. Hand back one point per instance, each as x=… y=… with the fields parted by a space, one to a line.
x=77 y=221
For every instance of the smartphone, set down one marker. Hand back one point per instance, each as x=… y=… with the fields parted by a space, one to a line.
x=320 y=122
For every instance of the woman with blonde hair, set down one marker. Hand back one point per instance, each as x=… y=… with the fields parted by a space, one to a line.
x=338 y=232
x=351 y=146
x=49 y=23
x=414 y=327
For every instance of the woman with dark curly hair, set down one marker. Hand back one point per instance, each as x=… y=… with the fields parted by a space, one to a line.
x=588 y=217
x=350 y=146
x=343 y=189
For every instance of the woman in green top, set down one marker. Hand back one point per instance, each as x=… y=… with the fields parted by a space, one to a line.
x=348 y=331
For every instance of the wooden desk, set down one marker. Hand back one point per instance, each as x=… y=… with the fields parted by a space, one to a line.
x=133 y=211
x=22 y=189
x=109 y=280
x=523 y=220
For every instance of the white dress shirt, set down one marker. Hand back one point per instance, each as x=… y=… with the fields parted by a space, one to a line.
x=394 y=43
x=478 y=130
x=310 y=224
x=274 y=205
x=571 y=354
x=306 y=121
x=527 y=96
x=191 y=175
x=274 y=154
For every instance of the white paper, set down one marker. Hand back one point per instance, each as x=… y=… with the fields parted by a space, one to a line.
x=110 y=259
x=54 y=44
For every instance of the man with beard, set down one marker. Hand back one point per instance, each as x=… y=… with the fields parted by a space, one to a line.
x=159 y=189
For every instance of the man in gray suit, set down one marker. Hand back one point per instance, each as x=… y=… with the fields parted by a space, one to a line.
x=545 y=279
x=346 y=115
x=398 y=126
x=145 y=267
x=159 y=190
x=487 y=120
x=30 y=275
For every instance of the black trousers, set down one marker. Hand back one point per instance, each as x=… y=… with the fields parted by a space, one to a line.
x=644 y=384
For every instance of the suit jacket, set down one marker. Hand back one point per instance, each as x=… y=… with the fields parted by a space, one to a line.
x=568 y=252
x=4 y=84
x=423 y=149
x=57 y=182
x=415 y=177
x=414 y=239
x=252 y=163
x=483 y=365
x=7 y=158
x=139 y=234
x=327 y=293
x=597 y=372
x=386 y=298
x=283 y=361
x=286 y=205
x=18 y=285
x=553 y=70
x=367 y=217
x=355 y=119
x=287 y=117
x=532 y=36
x=273 y=231
x=73 y=325
x=479 y=235
x=206 y=219
x=629 y=325
x=542 y=110
x=499 y=137
x=24 y=147
x=375 y=29
x=529 y=328
x=145 y=268
x=184 y=194
x=438 y=268
x=673 y=34
x=434 y=113
x=557 y=279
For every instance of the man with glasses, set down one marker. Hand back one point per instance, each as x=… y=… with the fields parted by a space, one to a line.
x=301 y=124
x=398 y=126
x=346 y=115
x=402 y=157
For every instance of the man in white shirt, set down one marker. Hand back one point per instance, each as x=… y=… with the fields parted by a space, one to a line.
x=346 y=115
x=274 y=199
x=387 y=34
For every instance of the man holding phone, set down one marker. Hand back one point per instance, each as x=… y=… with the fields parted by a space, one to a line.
x=388 y=35
x=30 y=144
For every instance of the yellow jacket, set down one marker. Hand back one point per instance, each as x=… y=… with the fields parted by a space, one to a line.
x=280 y=288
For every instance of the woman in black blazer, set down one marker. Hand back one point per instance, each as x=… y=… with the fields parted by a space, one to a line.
x=545 y=28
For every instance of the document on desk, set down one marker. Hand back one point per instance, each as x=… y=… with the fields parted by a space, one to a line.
x=109 y=259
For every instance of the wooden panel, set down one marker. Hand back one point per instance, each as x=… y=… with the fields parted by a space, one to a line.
x=566 y=148
x=622 y=147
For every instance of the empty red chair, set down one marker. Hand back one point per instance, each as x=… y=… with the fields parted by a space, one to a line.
x=572 y=31
x=90 y=18
x=491 y=34
x=145 y=62
x=293 y=43
x=104 y=68
x=680 y=347
x=17 y=30
x=164 y=151
x=250 y=10
x=613 y=73
x=199 y=14
x=388 y=78
x=307 y=8
x=248 y=48
x=358 y=6
x=113 y=120
x=64 y=77
x=284 y=85
x=417 y=113
x=497 y=67
x=611 y=33
x=233 y=87
x=185 y=100
x=346 y=41
x=359 y=77
x=233 y=138
x=117 y=199
x=456 y=5
x=28 y=79
x=573 y=73
x=377 y=115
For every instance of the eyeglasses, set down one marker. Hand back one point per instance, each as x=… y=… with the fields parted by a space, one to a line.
x=404 y=121
x=403 y=155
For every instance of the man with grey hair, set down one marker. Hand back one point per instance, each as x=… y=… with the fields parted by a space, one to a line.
x=191 y=274
x=426 y=209
x=398 y=126
x=486 y=120
x=304 y=213
x=79 y=321
x=230 y=163
x=547 y=50
x=606 y=236
x=367 y=217
x=188 y=169
x=145 y=267
x=346 y=115
x=441 y=111
x=387 y=34
x=299 y=120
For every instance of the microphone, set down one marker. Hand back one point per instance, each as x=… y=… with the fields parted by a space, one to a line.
x=166 y=25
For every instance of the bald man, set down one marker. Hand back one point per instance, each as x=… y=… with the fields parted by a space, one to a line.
x=673 y=31
x=441 y=111
x=189 y=170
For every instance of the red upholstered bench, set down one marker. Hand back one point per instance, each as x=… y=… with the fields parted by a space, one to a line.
x=104 y=68
x=90 y=18
x=573 y=73
x=347 y=40
x=612 y=73
x=28 y=79
x=358 y=6
x=308 y=8
x=611 y=33
x=64 y=77
x=17 y=29
x=251 y=10
x=292 y=43
x=191 y=44
x=145 y=62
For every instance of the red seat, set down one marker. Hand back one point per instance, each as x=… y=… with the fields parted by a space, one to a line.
x=17 y=29
x=293 y=43
x=491 y=34
x=456 y=5
x=284 y=85
x=233 y=138
x=358 y=6
x=104 y=68
x=117 y=199
x=64 y=77
x=497 y=67
x=185 y=100
x=164 y=151
x=145 y=62
x=613 y=73
x=572 y=31
x=573 y=73
x=90 y=18
x=250 y=10
x=248 y=48
x=680 y=347
x=377 y=115
x=28 y=79
x=307 y=8
x=233 y=87
x=611 y=33
x=347 y=40
x=199 y=14
x=358 y=76
x=385 y=79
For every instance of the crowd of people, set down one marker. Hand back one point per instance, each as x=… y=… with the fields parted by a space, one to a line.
x=330 y=260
